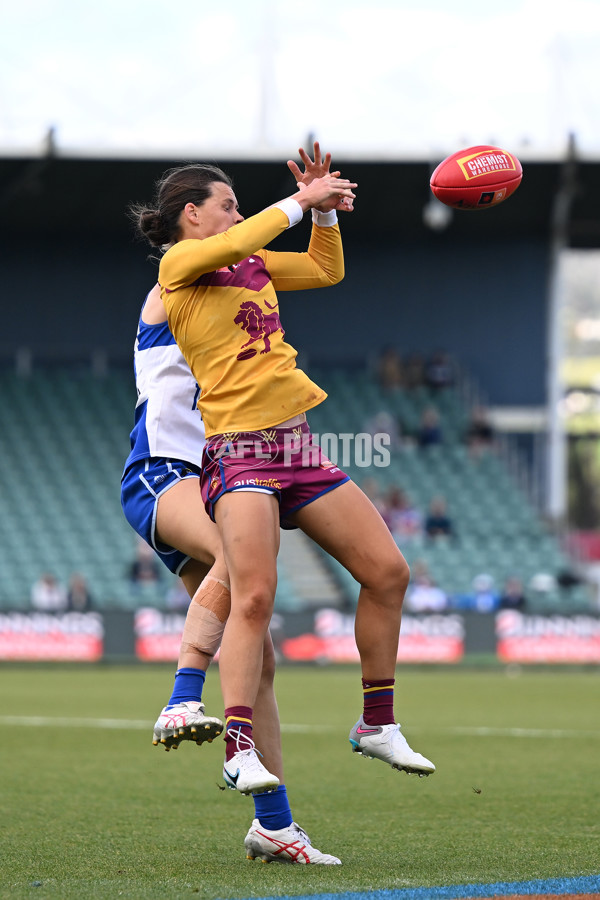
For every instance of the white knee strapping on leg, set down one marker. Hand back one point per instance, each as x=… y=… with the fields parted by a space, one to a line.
x=206 y=617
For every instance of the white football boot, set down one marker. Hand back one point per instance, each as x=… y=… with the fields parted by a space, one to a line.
x=185 y=722
x=286 y=845
x=386 y=742
x=244 y=772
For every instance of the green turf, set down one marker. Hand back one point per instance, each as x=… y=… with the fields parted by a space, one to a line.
x=100 y=813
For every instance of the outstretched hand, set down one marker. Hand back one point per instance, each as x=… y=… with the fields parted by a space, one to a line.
x=325 y=193
x=318 y=168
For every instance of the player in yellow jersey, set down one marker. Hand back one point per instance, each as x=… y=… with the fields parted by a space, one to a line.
x=162 y=501
x=261 y=469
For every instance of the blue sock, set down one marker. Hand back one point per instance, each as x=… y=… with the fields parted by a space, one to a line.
x=188 y=686
x=273 y=810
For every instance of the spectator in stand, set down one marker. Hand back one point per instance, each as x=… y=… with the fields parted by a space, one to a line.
x=79 y=598
x=430 y=429
x=403 y=519
x=438 y=523
x=439 y=371
x=423 y=594
x=512 y=596
x=567 y=579
x=144 y=569
x=414 y=371
x=48 y=594
x=484 y=598
x=383 y=422
x=390 y=370
x=479 y=435
x=542 y=586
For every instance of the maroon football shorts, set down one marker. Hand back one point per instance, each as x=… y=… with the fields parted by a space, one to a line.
x=287 y=462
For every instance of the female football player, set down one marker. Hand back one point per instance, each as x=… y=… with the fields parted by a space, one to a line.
x=162 y=501
x=260 y=467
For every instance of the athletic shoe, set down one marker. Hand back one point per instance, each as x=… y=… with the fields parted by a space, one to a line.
x=245 y=773
x=185 y=722
x=288 y=845
x=386 y=742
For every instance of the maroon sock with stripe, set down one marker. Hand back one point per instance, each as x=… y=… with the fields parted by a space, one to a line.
x=238 y=730
x=378 y=702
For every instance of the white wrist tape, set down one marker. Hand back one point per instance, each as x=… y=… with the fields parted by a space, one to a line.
x=292 y=209
x=324 y=220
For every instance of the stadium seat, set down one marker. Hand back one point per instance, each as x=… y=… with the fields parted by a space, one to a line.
x=61 y=505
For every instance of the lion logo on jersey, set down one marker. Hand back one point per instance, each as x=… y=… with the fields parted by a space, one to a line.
x=259 y=325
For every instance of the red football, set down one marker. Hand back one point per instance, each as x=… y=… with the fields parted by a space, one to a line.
x=477 y=177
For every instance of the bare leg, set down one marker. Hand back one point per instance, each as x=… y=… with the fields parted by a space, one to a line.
x=345 y=523
x=266 y=725
x=183 y=522
x=249 y=526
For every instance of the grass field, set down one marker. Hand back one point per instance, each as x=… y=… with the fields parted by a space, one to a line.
x=91 y=809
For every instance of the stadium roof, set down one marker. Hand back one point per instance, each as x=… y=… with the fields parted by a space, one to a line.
x=91 y=193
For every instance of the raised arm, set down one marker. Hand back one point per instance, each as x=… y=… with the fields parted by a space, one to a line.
x=323 y=263
x=187 y=260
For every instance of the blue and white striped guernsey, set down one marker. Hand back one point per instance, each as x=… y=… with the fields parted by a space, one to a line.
x=168 y=422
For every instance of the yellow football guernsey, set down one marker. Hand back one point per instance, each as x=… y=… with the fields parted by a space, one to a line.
x=222 y=309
